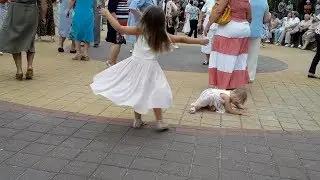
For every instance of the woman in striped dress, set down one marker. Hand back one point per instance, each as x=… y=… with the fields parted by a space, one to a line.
x=228 y=58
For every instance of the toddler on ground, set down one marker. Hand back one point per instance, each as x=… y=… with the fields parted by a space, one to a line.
x=221 y=101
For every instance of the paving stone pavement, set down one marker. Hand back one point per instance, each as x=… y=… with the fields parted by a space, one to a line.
x=41 y=144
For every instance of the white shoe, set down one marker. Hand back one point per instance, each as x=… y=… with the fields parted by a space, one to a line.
x=175 y=46
x=131 y=51
x=299 y=46
x=267 y=41
x=192 y=110
x=1 y=53
x=287 y=45
x=292 y=46
x=138 y=123
x=108 y=64
x=161 y=126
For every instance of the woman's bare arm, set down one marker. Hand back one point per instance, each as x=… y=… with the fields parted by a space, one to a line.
x=129 y=30
x=44 y=7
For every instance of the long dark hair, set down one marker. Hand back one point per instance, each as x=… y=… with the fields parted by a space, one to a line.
x=153 y=28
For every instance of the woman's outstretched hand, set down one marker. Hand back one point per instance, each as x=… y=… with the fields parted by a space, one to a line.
x=104 y=12
x=204 y=42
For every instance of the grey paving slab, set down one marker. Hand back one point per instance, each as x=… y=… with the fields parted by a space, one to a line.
x=169 y=177
x=63 y=131
x=93 y=126
x=85 y=134
x=139 y=175
x=41 y=127
x=10 y=172
x=73 y=123
x=27 y=136
x=17 y=124
x=8 y=132
x=5 y=155
x=69 y=177
x=38 y=149
x=311 y=165
x=293 y=173
x=32 y=117
x=14 y=145
x=174 y=168
x=12 y=115
x=314 y=175
x=120 y=160
x=180 y=157
x=146 y=164
x=183 y=147
x=50 y=164
x=263 y=169
x=64 y=153
x=154 y=153
x=109 y=172
x=51 y=139
x=234 y=175
x=51 y=120
x=126 y=149
x=36 y=175
x=100 y=146
x=23 y=160
x=80 y=168
x=75 y=143
x=133 y=140
x=92 y=156
x=204 y=172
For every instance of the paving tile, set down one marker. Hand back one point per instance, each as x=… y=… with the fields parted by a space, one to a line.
x=14 y=145
x=10 y=172
x=139 y=175
x=280 y=152
x=314 y=175
x=121 y=160
x=11 y=115
x=292 y=173
x=287 y=161
x=204 y=160
x=184 y=138
x=117 y=128
x=263 y=169
x=229 y=164
x=4 y=122
x=68 y=177
x=23 y=160
x=80 y=168
x=180 y=157
x=166 y=136
x=234 y=155
x=204 y=172
x=51 y=139
x=100 y=146
x=154 y=153
x=143 y=132
x=50 y=164
x=256 y=140
x=17 y=124
x=157 y=143
x=86 y=134
x=304 y=147
x=109 y=172
x=146 y=164
x=174 y=168
x=234 y=175
x=133 y=140
x=260 y=149
x=170 y=177
x=40 y=127
x=51 y=120
x=93 y=126
x=63 y=131
x=36 y=175
x=233 y=145
x=27 y=136
x=183 y=147
x=260 y=158
x=109 y=137
x=309 y=155
x=91 y=156
x=76 y=143
x=73 y=123
x=32 y=117
x=260 y=177
x=208 y=141
x=311 y=165
x=126 y=149
x=64 y=153
x=7 y=132
x=38 y=149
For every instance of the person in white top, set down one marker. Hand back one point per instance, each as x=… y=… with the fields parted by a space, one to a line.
x=221 y=101
x=289 y=26
x=205 y=12
x=302 y=26
x=139 y=81
x=186 y=26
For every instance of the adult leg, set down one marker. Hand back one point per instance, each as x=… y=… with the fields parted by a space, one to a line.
x=86 y=51
x=287 y=40
x=114 y=54
x=138 y=123
x=196 y=29
x=191 y=28
x=315 y=61
x=161 y=125
x=18 y=61
x=30 y=57
x=282 y=36
x=253 y=54
x=97 y=29
x=61 y=42
x=73 y=47
x=78 y=49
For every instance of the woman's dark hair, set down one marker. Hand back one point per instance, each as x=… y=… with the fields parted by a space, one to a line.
x=153 y=28
x=191 y=2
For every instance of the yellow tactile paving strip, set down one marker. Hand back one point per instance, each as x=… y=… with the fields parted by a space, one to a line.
x=284 y=100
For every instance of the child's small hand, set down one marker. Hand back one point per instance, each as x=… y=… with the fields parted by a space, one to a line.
x=104 y=11
x=204 y=41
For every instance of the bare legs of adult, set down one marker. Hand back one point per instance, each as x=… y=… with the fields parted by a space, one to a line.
x=61 y=45
x=113 y=54
x=18 y=61
x=160 y=124
x=86 y=52
x=78 y=49
x=206 y=62
x=30 y=57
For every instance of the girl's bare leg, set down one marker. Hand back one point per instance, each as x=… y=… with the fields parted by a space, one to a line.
x=160 y=124
x=138 y=123
x=78 y=48
x=61 y=41
x=18 y=61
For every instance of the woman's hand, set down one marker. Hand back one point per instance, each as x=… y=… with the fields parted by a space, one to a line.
x=204 y=42
x=104 y=12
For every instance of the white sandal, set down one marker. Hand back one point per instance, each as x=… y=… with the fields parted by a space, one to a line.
x=138 y=123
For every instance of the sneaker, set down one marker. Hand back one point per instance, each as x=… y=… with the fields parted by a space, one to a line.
x=138 y=123
x=131 y=51
x=175 y=46
x=267 y=41
x=1 y=53
x=292 y=46
x=287 y=45
x=161 y=126
x=192 y=110
x=299 y=46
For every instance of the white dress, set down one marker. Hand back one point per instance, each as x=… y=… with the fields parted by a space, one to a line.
x=137 y=81
x=213 y=28
x=186 y=26
x=211 y=97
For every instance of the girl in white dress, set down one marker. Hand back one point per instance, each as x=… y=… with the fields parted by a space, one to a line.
x=221 y=101
x=139 y=81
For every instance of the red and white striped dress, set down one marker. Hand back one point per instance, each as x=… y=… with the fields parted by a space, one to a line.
x=228 y=59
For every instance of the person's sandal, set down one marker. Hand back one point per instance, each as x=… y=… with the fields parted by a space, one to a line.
x=78 y=57
x=205 y=62
x=313 y=76
x=161 y=126
x=29 y=74
x=138 y=123
x=73 y=51
x=85 y=58
x=60 y=49
x=19 y=77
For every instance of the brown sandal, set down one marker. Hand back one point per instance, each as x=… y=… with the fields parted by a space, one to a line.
x=29 y=74
x=78 y=57
x=85 y=58
x=19 y=77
